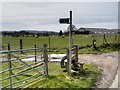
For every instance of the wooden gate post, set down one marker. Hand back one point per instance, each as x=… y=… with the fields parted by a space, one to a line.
x=45 y=55
x=35 y=54
x=9 y=66
x=76 y=52
x=9 y=56
x=49 y=43
x=21 y=45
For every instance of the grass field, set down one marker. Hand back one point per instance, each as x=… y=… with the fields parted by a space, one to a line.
x=56 y=78
x=25 y=75
x=60 y=79
x=58 y=44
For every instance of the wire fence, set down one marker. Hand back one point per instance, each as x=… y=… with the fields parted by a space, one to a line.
x=19 y=70
x=15 y=44
x=54 y=45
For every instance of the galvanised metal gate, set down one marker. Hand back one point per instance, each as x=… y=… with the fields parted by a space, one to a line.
x=19 y=70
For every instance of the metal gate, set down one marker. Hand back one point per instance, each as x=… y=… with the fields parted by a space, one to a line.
x=20 y=69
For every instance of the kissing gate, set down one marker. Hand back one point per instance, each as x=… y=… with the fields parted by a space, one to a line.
x=19 y=70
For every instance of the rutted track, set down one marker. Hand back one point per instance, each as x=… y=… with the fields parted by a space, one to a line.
x=107 y=62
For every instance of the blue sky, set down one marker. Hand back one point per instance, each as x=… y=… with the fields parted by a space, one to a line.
x=45 y=15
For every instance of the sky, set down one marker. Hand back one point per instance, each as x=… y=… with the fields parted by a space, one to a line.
x=45 y=15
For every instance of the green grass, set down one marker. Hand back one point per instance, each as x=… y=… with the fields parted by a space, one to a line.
x=20 y=77
x=56 y=78
x=58 y=44
x=60 y=79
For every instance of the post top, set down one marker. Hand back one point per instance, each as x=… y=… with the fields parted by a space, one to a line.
x=45 y=45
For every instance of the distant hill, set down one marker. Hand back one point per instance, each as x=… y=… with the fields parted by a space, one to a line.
x=31 y=31
x=28 y=33
x=38 y=31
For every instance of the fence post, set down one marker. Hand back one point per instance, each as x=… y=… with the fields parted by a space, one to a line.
x=35 y=54
x=9 y=66
x=49 y=43
x=76 y=52
x=21 y=45
x=115 y=38
x=45 y=55
x=9 y=56
x=104 y=39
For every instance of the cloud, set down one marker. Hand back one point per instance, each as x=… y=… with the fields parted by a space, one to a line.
x=45 y=15
x=60 y=0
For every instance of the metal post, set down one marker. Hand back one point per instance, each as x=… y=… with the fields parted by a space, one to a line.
x=9 y=66
x=35 y=54
x=70 y=43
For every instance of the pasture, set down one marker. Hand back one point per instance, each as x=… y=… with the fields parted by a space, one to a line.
x=58 y=44
x=56 y=79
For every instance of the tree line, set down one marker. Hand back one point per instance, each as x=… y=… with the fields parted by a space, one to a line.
x=27 y=34
x=38 y=34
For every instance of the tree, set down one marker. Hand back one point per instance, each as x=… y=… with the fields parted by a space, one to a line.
x=60 y=33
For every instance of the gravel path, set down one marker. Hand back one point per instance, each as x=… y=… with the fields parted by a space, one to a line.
x=115 y=82
x=107 y=62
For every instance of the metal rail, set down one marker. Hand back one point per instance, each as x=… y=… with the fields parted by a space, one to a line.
x=35 y=66
x=14 y=59
x=20 y=73
x=12 y=51
x=20 y=67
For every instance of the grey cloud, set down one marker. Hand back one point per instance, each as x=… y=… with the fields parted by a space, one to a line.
x=99 y=19
x=41 y=14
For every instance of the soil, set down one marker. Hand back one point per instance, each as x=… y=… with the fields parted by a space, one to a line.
x=107 y=63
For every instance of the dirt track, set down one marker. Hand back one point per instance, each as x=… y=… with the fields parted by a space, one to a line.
x=107 y=62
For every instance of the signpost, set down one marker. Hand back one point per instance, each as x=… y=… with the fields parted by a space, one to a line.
x=68 y=21
x=64 y=20
x=70 y=43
